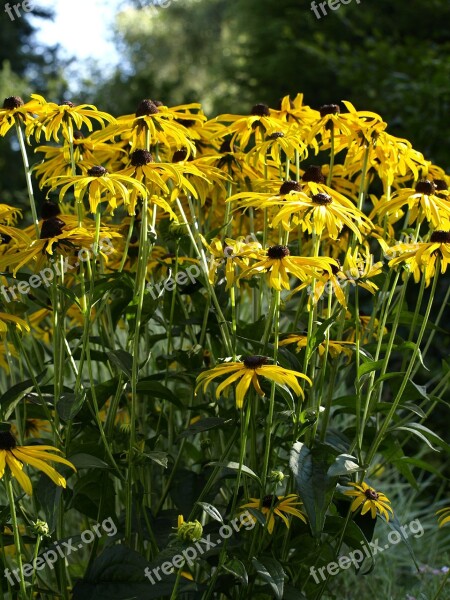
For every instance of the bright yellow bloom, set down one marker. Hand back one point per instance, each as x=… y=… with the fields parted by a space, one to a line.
x=66 y=117
x=15 y=456
x=247 y=372
x=14 y=109
x=276 y=505
x=421 y=257
x=116 y=188
x=423 y=202
x=369 y=499
x=278 y=264
x=232 y=253
x=334 y=348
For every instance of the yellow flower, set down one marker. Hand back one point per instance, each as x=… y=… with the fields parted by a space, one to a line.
x=334 y=348
x=369 y=499
x=66 y=117
x=164 y=125
x=423 y=202
x=422 y=256
x=234 y=253
x=101 y=186
x=247 y=372
x=243 y=128
x=14 y=109
x=444 y=516
x=278 y=264
x=276 y=505
x=15 y=456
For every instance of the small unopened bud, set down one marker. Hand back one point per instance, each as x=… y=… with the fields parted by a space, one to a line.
x=189 y=531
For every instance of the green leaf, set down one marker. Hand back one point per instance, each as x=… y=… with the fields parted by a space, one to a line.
x=205 y=425
x=119 y=574
x=87 y=461
x=343 y=465
x=69 y=405
x=158 y=390
x=14 y=395
x=367 y=367
x=123 y=360
x=211 y=511
x=271 y=571
x=236 y=567
x=314 y=484
x=158 y=457
x=425 y=434
x=234 y=466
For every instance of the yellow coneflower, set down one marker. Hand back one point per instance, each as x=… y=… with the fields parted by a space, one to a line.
x=276 y=505
x=247 y=372
x=15 y=457
x=369 y=499
x=65 y=118
x=278 y=264
x=15 y=109
x=421 y=257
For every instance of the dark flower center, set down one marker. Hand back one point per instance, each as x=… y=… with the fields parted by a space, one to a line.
x=5 y=238
x=371 y=494
x=322 y=199
x=425 y=187
x=335 y=269
x=77 y=135
x=314 y=174
x=7 y=441
x=269 y=501
x=275 y=135
x=278 y=252
x=139 y=158
x=179 y=155
x=97 y=171
x=440 y=237
x=254 y=362
x=51 y=228
x=50 y=210
x=440 y=184
x=260 y=110
x=145 y=108
x=186 y=122
x=290 y=186
x=226 y=146
x=67 y=103
x=329 y=109
x=13 y=102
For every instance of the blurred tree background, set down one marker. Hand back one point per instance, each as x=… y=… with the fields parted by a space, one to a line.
x=25 y=68
x=392 y=58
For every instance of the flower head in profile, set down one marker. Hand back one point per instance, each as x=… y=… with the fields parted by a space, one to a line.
x=421 y=257
x=14 y=457
x=14 y=110
x=247 y=372
x=369 y=499
x=279 y=506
